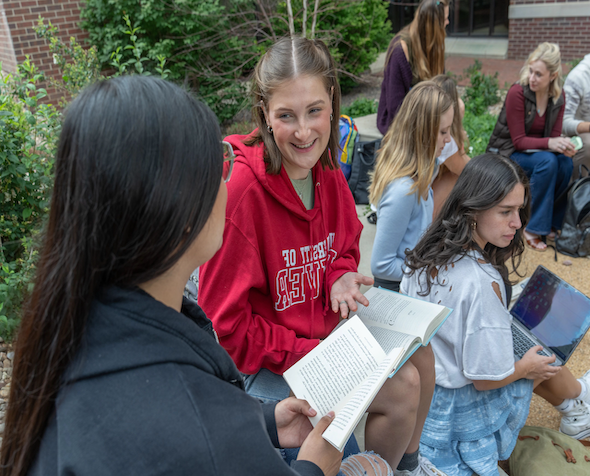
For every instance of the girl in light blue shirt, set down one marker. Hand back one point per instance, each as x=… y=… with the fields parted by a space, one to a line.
x=404 y=170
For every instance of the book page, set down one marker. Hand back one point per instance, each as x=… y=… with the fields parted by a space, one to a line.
x=328 y=375
x=389 y=339
x=395 y=311
x=348 y=417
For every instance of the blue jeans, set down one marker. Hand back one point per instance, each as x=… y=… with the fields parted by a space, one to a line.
x=549 y=175
x=270 y=387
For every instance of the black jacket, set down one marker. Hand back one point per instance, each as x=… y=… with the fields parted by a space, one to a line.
x=151 y=392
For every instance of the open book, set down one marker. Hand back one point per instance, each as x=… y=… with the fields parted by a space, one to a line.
x=346 y=371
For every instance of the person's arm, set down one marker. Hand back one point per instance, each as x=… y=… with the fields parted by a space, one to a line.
x=225 y=285
x=457 y=162
x=532 y=366
x=571 y=125
x=515 y=112
x=558 y=126
x=488 y=353
x=341 y=276
x=393 y=217
x=561 y=145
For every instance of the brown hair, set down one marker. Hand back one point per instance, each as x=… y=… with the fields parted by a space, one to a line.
x=409 y=147
x=425 y=37
x=286 y=60
x=449 y=86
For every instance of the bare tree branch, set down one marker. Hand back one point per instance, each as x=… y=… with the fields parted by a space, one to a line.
x=304 y=26
x=315 y=18
x=291 y=21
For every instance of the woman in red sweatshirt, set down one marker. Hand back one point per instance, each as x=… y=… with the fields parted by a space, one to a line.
x=287 y=271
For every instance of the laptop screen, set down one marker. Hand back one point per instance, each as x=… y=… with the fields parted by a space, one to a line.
x=555 y=312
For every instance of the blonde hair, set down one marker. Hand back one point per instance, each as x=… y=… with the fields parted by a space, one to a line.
x=549 y=54
x=425 y=37
x=287 y=59
x=449 y=86
x=409 y=146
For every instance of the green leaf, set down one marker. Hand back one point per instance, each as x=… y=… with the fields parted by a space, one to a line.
x=27 y=213
x=31 y=119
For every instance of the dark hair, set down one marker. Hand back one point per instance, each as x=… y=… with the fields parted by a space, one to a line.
x=137 y=173
x=286 y=60
x=484 y=182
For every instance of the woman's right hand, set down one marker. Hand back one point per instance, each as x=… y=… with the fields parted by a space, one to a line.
x=537 y=366
x=562 y=145
x=319 y=451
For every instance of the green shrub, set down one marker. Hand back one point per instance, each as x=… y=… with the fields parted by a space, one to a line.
x=213 y=46
x=360 y=107
x=479 y=128
x=78 y=66
x=482 y=91
x=28 y=136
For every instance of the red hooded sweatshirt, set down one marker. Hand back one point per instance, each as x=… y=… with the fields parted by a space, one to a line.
x=267 y=290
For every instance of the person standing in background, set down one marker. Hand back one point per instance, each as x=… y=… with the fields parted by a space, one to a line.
x=415 y=54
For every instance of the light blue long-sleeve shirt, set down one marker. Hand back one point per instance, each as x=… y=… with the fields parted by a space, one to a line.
x=402 y=218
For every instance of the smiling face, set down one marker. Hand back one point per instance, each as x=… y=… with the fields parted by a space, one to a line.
x=444 y=130
x=539 y=76
x=498 y=225
x=299 y=113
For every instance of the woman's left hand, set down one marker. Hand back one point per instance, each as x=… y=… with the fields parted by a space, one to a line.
x=293 y=425
x=345 y=293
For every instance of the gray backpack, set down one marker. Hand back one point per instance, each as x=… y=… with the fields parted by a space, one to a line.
x=575 y=231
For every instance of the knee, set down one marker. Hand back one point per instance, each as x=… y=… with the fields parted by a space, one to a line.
x=405 y=385
x=546 y=161
x=423 y=360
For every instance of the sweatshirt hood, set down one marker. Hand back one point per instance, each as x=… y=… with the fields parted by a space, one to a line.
x=128 y=329
x=279 y=186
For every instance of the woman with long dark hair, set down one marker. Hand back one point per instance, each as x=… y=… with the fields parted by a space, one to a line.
x=113 y=372
x=482 y=396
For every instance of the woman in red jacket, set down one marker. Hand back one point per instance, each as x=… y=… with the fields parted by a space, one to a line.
x=287 y=272
x=528 y=131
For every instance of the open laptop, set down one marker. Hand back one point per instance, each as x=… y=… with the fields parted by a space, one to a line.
x=552 y=313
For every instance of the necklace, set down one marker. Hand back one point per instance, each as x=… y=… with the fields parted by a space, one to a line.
x=301 y=186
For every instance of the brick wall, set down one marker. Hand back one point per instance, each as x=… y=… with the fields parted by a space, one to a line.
x=20 y=19
x=571 y=33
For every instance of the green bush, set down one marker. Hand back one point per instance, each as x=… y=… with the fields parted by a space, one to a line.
x=213 y=46
x=28 y=136
x=360 y=107
x=479 y=128
x=482 y=91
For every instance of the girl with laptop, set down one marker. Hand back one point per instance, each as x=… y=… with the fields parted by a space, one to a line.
x=482 y=396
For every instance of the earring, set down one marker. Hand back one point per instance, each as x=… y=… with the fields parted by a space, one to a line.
x=331 y=117
x=269 y=129
x=473 y=226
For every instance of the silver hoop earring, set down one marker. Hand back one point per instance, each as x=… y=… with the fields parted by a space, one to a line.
x=269 y=129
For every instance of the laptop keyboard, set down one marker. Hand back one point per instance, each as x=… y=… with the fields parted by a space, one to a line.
x=522 y=343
